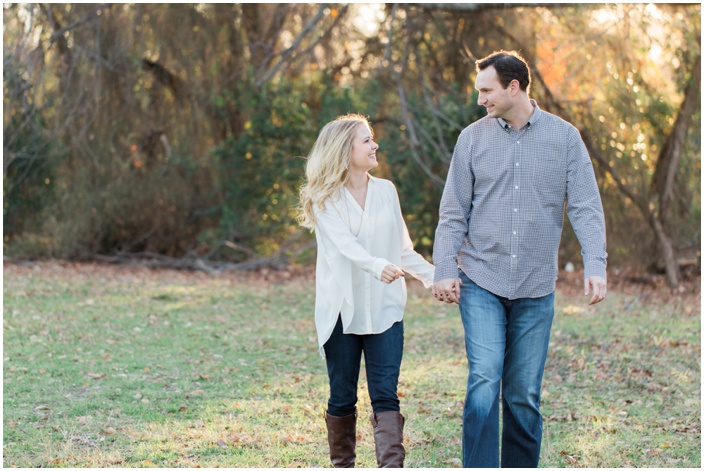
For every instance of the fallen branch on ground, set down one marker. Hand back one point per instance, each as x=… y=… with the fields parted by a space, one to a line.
x=277 y=260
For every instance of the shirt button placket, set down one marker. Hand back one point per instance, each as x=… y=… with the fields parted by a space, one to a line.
x=367 y=279
x=515 y=220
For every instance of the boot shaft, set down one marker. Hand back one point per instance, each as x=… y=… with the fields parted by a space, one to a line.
x=388 y=439
x=342 y=439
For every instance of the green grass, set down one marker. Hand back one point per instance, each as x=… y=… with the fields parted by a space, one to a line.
x=114 y=367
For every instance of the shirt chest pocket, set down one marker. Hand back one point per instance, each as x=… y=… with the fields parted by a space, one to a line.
x=550 y=181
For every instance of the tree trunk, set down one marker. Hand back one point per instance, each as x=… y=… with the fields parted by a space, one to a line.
x=667 y=251
x=666 y=171
x=669 y=158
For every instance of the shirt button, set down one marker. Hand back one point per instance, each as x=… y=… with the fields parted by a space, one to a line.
x=515 y=210
x=514 y=232
x=517 y=164
x=518 y=142
x=516 y=186
x=513 y=256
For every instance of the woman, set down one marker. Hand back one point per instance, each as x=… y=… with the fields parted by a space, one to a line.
x=363 y=250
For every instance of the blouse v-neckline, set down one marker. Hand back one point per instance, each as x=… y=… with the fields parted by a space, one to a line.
x=366 y=197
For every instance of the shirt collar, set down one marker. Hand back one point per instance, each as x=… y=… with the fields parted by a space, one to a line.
x=537 y=112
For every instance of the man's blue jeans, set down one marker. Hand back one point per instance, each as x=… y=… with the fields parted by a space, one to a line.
x=507 y=344
x=382 y=357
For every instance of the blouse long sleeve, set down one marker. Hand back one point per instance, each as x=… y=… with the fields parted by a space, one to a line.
x=412 y=261
x=339 y=241
x=349 y=263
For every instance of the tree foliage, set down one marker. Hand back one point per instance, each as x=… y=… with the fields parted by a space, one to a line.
x=179 y=129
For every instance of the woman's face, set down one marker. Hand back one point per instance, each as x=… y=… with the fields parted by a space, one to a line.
x=363 y=157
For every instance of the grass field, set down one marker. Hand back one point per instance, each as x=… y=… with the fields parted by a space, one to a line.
x=130 y=367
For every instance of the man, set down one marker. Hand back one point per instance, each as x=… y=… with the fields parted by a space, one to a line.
x=495 y=254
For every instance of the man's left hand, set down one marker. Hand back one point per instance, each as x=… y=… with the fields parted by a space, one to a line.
x=599 y=286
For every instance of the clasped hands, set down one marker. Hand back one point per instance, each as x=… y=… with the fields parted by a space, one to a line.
x=447 y=290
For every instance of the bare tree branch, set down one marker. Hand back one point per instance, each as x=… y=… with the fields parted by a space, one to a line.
x=325 y=35
x=440 y=147
x=62 y=43
x=414 y=142
x=276 y=260
x=407 y=115
x=475 y=7
x=93 y=16
x=287 y=53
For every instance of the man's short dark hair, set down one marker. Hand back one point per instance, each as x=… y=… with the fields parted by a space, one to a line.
x=509 y=66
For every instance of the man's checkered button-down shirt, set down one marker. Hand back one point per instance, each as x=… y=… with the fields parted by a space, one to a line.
x=502 y=209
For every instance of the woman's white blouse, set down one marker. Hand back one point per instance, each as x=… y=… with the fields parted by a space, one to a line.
x=354 y=246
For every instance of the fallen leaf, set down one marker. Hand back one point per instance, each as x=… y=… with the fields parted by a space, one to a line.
x=309 y=411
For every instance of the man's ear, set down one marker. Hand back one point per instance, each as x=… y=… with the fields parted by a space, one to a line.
x=514 y=87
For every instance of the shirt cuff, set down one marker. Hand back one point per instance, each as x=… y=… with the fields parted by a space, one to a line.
x=594 y=268
x=378 y=267
x=446 y=272
x=429 y=281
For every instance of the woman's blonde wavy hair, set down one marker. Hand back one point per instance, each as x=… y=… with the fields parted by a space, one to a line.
x=327 y=165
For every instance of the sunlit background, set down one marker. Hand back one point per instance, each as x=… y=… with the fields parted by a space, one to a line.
x=179 y=131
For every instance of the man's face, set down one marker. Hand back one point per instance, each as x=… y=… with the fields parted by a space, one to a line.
x=496 y=99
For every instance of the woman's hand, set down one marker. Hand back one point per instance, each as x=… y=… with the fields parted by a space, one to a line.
x=448 y=290
x=391 y=273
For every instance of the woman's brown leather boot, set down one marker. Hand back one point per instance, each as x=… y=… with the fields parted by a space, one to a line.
x=342 y=438
x=388 y=439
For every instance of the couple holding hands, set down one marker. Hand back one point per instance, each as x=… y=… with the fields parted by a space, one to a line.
x=495 y=255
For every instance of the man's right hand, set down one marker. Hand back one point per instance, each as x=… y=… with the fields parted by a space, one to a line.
x=447 y=290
